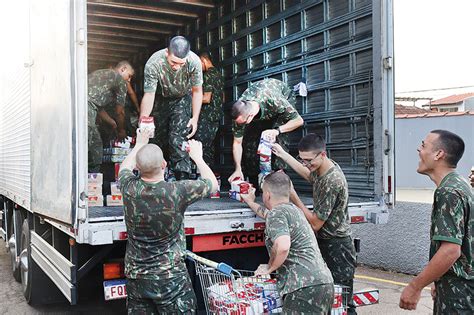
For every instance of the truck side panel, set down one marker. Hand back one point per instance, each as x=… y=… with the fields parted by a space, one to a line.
x=53 y=105
x=15 y=155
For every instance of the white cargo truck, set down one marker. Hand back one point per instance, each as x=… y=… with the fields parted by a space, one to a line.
x=342 y=50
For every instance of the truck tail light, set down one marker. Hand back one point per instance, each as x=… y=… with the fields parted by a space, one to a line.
x=122 y=235
x=189 y=230
x=113 y=270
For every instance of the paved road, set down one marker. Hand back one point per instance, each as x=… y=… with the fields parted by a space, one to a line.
x=13 y=302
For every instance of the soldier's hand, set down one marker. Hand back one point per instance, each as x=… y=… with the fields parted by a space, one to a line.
x=263 y=269
x=471 y=177
x=122 y=134
x=433 y=291
x=237 y=174
x=270 y=134
x=277 y=149
x=249 y=197
x=143 y=136
x=195 y=150
x=192 y=123
x=410 y=297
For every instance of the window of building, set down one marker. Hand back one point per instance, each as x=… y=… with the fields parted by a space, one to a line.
x=448 y=109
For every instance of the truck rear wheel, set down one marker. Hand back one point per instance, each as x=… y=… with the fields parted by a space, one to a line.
x=37 y=286
x=16 y=271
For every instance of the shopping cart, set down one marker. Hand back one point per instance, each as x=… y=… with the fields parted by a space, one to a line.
x=238 y=292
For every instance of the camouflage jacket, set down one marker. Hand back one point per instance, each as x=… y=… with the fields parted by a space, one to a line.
x=330 y=200
x=154 y=214
x=452 y=221
x=160 y=77
x=276 y=100
x=304 y=265
x=106 y=88
x=213 y=82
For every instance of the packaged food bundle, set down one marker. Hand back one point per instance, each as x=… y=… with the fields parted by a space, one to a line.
x=238 y=187
x=147 y=123
x=94 y=187
x=265 y=147
x=95 y=178
x=94 y=190
x=114 y=158
x=114 y=200
x=117 y=151
x=244 y=296
x=115 y=188
x=96 y=201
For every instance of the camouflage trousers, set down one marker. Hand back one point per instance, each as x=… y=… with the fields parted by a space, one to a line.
x=250 y=158
x=170 y=296
x=171 y=117
x=95 y=149
x=340 y=257
x=316 y=299
x=454 y=296
x=206 y=133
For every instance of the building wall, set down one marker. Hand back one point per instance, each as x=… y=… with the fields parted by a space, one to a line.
x=408 y=135
x=402 y=244
x=469 y=104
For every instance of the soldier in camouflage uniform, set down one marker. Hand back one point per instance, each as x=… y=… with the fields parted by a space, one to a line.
x=106 y=88
x=451 y=265
x=268 y=108
x=304 y=281
x=211 y=111
x=174 y=74
x=329 y=217
x=157 y=278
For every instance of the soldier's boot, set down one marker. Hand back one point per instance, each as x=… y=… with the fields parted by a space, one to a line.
x=181 y=175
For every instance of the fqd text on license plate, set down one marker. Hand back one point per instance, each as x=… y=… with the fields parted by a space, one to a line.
x=115 y=289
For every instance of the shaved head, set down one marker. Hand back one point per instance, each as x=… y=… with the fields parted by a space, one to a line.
x=150 y=159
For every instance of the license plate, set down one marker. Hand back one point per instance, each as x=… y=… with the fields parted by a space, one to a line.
x=115 y=289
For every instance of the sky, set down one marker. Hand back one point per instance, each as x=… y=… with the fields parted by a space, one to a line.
x=434 y=45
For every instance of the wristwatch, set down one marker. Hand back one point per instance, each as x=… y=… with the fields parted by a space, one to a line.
x=278 y=128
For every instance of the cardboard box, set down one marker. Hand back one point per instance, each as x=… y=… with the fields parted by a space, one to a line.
x=94 y=190
x=95 y=201
x=114 y=200
x=95 y=178
x=115 y=188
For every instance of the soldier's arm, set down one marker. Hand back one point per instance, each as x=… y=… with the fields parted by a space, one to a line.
x=441 y=262
x=237 y=155
x=196 y=108
x=147 y=104
x=315 y=222
x=107 y=119
x=279 y=253
x=130 y=161
x=120 y=114
x=291 y=161
x=195 y=153
x=292 y=124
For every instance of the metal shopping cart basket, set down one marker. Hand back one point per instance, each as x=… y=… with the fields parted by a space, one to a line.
x=238 y=292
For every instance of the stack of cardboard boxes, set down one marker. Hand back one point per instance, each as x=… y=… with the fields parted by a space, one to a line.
x=94 y=189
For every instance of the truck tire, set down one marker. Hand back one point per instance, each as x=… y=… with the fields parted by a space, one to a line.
x=12 y=247
x=37 y=286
